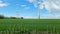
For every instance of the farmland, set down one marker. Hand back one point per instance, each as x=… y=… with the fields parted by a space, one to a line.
x=30 y=25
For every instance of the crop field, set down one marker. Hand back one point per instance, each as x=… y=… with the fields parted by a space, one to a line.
x=30 y=26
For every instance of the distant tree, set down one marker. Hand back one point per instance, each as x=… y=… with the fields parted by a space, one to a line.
x=2 y=17
x=21 y=17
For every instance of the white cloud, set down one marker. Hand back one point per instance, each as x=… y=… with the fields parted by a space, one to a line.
x=52 y=5
x=25 y=7
x=31 y=1
x=3 y=4
x=49 y=15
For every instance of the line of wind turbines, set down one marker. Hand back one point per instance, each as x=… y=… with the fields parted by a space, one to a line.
x=34 y=2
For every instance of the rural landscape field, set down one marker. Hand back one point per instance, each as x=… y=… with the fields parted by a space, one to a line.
x=30 y=26
x=29 y=16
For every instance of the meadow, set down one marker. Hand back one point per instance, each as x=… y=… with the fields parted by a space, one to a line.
x=28 y=25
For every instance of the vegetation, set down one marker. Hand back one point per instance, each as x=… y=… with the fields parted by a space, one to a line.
x=2 y=17
x=21 y=17
x=30 y=25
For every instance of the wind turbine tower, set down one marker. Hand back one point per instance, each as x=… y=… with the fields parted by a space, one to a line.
x=39 y=10
x=38 y=3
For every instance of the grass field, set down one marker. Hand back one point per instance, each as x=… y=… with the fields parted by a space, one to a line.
x=30 y=24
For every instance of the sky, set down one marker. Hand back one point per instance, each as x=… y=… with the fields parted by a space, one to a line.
x=29 y=8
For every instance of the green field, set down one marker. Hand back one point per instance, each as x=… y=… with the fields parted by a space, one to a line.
x=30 y=24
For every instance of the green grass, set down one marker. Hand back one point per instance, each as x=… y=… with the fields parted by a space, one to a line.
x=29 y=24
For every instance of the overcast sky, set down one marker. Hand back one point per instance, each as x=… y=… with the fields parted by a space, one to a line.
x=27 y=8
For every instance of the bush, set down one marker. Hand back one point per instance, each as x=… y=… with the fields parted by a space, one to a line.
x=21 y=17
x=2 y=17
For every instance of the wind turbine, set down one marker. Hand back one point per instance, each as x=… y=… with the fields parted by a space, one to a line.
x=39 y=10
x=38 y=4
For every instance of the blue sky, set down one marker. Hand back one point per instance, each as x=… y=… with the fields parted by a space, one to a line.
x=27 y=8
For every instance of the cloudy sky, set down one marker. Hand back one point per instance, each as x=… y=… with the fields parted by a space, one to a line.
x=29 y=8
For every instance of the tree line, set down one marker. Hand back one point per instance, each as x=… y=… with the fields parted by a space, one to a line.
x=3 y=17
